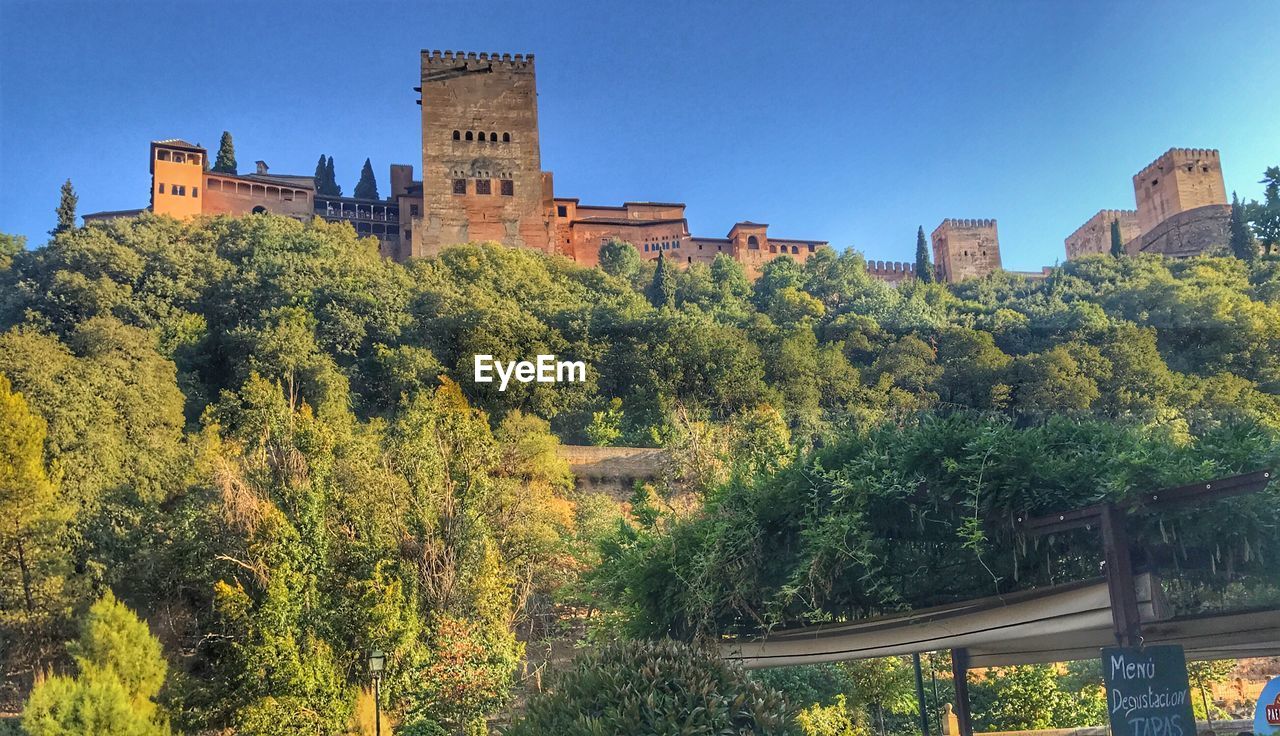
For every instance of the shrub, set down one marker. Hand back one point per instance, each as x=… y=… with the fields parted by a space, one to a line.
x=655 y=687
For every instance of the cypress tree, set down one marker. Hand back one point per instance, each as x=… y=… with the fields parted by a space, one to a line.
x=226 y=161
x=1243 y=245
x=1117 y=246
x=66 y=209
x=331 y=187
x=367 y=187
x=924 y=268
x=320 y=176
x=662 y=290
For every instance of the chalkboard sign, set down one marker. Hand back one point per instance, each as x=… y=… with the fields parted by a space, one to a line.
x=1147 y=691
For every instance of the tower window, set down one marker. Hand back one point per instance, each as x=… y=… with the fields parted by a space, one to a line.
x=457 y=135
x=773 y=249
x=162 y=187
x=754 y=244
x=811 y=247
x=1153 y=182
x=195 y=191
x=162 y=155
x=460 y=185
x=508 y=188
x=470 y=135
x=480 y=136
x=413 y=210
x=493 y=137
x=562 y=211
x=506 y=137
x=483 y=186
x=795 y=249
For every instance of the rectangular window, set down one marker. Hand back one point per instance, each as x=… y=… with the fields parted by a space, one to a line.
x=811 y=247
x=483 y=186
x=562 y=211
x=508 y=188
x=195 y=191
x=179 y=190
x=162 y=187
x=406 y=234
x=413 y=210
x=459 y=186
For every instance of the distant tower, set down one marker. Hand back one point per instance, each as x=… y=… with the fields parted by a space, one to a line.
x=965 y=249
x=482 y=175
x=1182 y=179
x=177 y=175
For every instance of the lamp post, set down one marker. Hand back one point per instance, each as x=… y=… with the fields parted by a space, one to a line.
x=377 y=663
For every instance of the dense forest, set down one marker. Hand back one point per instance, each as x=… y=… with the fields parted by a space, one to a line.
x=264 y=440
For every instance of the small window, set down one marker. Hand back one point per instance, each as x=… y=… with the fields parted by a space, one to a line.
x=480 y=136
x=413 y=210
x=180 y=190
x=811 y=247
x=506 y=137
x=162 y=155
x=1153 y=182
x=493 y=137
x=406 y=234
x=470 y=135
x=457 y=135
x=195 y=191
x=773 y=249
x=754 y=244
x=483 y=186
x=795 y=249
x=460 y=185
x=162 y=187
x=562 y=211
x=259 y=210
x=508 y=188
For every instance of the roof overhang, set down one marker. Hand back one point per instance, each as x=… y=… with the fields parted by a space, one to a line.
x=1053 y=624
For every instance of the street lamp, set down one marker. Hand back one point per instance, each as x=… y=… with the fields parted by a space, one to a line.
x=377 y=663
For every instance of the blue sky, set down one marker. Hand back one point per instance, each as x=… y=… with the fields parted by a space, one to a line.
x=853 y=122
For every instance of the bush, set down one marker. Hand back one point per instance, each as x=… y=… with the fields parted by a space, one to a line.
x=655 y=687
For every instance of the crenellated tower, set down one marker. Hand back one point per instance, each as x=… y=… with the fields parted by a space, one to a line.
x=482 y=175
x=965 y=248
x=1181 y=179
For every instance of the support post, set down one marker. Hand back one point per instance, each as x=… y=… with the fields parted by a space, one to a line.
x=960 y=671
x=924 y=712
x=1124 y=600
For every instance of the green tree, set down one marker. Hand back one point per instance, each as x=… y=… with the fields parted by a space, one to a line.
x=367 y=187
x=120 y=671
x=321 y=177
x=620 y=258
x=1117 y=245
x=66 y=211
x=225 y=163
x=606 y=426
x=33 y=599
x=662 y=290
x=331 y=187
x=883 y=684
x=1265 y=216
x=924 y=267
x=1243 y=245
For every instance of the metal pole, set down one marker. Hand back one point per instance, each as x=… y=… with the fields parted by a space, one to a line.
x=960 y=671
x=377 y=706
x=924 y=712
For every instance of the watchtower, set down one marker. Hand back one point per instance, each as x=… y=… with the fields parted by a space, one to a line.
x=965 y=248
x=177 y=176
x=482 y=175
x=1181 y=179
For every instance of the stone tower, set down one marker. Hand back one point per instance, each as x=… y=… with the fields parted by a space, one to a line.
x=482 y=175
x=965 y=249
x=1180 y=180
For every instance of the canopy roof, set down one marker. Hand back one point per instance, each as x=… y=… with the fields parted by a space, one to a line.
x=1054 y=624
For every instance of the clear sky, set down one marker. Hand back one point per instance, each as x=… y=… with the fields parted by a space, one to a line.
x=852 y=122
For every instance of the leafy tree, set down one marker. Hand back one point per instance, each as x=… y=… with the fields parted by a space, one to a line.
x=66 y=211
x=924 y=267
x=1117 y=245
x=1265 y=216
x=225 y=163
x=606 y=426
x=883 y=684
x=654 y=687
x=829 y=720
x=120 y=672
x=1243 y=244
x=367 y=187
x=662 y=290
x=620 y=258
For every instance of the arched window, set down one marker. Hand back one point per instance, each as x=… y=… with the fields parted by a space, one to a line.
x=773 y=249
x=480 y=135
x=470 y=136
x=506 y=137
x=753 y=244
x=795 y=249
x=493 y=137
x=457 y=135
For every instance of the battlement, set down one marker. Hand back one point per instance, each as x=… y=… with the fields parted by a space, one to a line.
x=966 y=223
x=1106 y=217
x=876 y=268
x=436 y=58
x=1174 y=155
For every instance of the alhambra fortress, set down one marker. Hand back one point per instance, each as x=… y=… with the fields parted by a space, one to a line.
x=482 y=180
